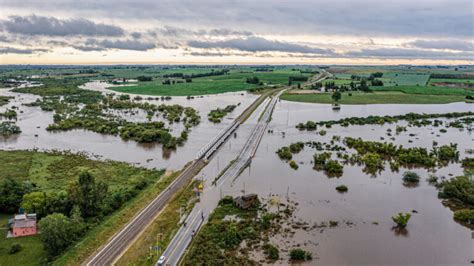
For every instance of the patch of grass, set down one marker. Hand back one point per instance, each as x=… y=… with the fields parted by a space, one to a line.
x=4 y=100
x=382 y=97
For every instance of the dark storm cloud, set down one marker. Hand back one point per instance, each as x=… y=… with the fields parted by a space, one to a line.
x=11 y=50
x=50 y=26
x=258 y=44
x=458 y=45
x=403 y=53
x=436 y=18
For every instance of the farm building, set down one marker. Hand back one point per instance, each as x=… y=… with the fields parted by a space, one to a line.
x=23 y=225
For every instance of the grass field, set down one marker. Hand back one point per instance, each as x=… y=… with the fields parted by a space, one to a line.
x=53 y=172
x=382 y=97
x=234 y=81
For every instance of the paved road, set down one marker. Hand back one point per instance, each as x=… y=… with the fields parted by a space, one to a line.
x=117 y=245
x=178 y=245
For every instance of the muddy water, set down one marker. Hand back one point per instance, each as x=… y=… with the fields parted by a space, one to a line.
x=364 y=234
x=33 y=122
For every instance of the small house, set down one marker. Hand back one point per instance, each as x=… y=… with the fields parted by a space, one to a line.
x=23 y=225
x=246 y=201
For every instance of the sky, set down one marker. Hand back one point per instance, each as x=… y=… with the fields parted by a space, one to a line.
x=237 y=32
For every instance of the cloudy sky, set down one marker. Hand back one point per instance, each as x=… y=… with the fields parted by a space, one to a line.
x=203 y=31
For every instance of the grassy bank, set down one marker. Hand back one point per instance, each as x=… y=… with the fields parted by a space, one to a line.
x=382 y=97
x=160 y=232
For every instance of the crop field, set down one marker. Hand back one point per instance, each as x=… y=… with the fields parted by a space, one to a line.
x=426 y=90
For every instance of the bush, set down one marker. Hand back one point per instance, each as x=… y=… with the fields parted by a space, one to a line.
x=411 y=177
x=465 y=215
x=293 y=164
x=342 y=188
x=15 y=248
x=284 y=153
x=333 y=168
x=401 y=219
x=459 y=189
x=299 y=254
x=271 y=252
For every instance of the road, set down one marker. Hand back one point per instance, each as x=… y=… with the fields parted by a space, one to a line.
x=118 y=244
x=178 y=245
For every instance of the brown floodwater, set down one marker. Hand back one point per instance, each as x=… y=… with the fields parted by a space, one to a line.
x=365 y=233
x=33 y=122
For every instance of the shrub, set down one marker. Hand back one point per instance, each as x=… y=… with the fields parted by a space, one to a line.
x=15 y=248
x=342 y=188
x=401 y=219
x=333 y=168
x=293 y=164
x=464 y=215
x=284 y=153
x=458 y=189
x=271 y=252
x=299 y=254
x=411 y=177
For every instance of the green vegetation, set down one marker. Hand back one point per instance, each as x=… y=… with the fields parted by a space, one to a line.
x=9 y=128
x=216 y=115
x=415 y=156
x=293 y=164
x=4 y=100
x=271 y=252
x=284 y=153
x=410 y=178
x=298 y=254
x=220 y=240
x=401 y=219
x=414 y=119
x=9 y=114
x=465 y=216
x=342 y=188
x=43 y=183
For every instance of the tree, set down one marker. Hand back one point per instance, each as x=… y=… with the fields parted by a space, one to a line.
x=11 y=194
x=88 y=195
x=336 y=96
x=57 y=233
x=44 y=203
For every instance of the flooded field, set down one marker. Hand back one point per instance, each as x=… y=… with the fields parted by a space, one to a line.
x=365 y=233
x=33 y=121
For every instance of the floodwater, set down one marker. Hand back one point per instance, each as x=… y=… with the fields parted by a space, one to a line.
x=365 y=233
x=33 y=122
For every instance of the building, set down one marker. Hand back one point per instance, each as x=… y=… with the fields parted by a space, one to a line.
x=23 y=225
x=246 y=201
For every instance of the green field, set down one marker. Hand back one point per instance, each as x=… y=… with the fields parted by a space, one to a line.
x=426 y=90
x=382 y=97
x=234 y=81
